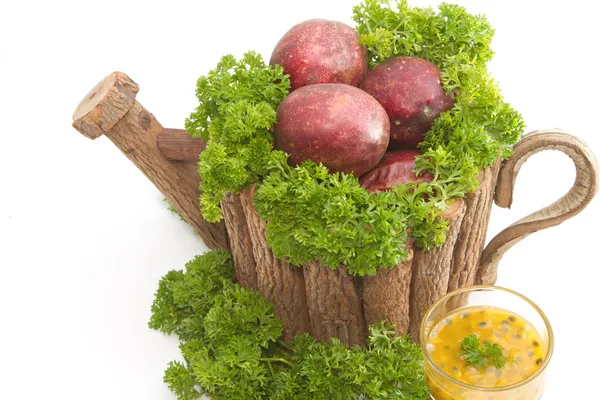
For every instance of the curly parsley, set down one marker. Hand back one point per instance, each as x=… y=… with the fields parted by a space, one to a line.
x=238 y=100
x=231 y=346
x=481 y=356
x=313 y=214
x=481 y=124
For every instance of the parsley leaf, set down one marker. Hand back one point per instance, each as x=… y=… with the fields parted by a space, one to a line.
x=481 y=124
x=481 y=356
x=237 y=107
x=181 y=381
x=389 y=366
x=231 y=346
x=183 y=298
x=390 y=29
x=313 y=214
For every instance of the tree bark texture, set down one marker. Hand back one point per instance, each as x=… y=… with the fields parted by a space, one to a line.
x=334 y=304
x=473 y=230
x=280 y=283
x=431 y=269
x=386 y=296
x=178 y=145
x=240 y=241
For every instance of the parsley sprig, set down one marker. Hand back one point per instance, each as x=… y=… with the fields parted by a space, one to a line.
x=481 y=124
x=481 y=356
x=313 y=214
x=232 y=350
x=237 y=109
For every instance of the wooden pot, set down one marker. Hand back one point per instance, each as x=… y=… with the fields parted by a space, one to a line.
x=313 y=298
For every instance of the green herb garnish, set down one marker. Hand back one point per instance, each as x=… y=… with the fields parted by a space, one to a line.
x=481 y=356
x=238 y=100
x=313 y=214
x=481 y=124
x=231 y=346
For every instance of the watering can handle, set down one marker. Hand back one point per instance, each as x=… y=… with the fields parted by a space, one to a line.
x=578 y=197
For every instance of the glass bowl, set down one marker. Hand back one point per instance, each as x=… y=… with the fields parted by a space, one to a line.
x=444 y=386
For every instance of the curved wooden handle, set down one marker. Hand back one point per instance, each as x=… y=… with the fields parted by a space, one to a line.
x=571 y=204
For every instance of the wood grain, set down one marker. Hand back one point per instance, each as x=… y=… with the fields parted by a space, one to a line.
x=178 y=145
x=386 y=296
x=280 y=283
x=473 y=230
x=334 y=304
x=239 y=240
x=105 y=105
x=431 y=269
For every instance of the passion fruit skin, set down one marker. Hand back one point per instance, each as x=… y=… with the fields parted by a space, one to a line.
x=395 y=168
x=338 y=125
x=410 y=91
x=321 y=51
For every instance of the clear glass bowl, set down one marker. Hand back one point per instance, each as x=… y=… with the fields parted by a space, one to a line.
x=443 y=386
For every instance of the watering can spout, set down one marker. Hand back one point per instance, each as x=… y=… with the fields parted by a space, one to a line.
x=110 y=109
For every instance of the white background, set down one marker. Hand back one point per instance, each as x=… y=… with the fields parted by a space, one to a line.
x=85 y=236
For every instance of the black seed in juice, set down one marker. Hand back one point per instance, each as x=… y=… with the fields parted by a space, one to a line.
x=512 y=318
x=482 y=324
x=535 y=343
x=538 y=361
x=455 y=369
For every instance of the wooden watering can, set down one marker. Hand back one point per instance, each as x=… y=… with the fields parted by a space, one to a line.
x=313 y=298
